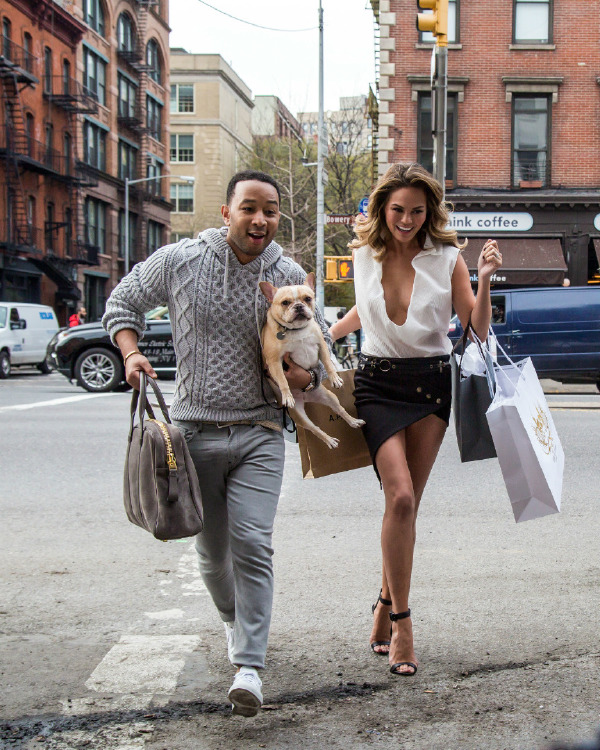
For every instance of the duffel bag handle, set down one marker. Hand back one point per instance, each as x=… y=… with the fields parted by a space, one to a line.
x=144 y=405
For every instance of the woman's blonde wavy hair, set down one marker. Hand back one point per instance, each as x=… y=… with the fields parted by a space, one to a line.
x=373 y=230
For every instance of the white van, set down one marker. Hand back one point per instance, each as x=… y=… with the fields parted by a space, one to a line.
x=25 y=330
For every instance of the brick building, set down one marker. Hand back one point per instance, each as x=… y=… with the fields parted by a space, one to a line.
x=83 y=87
x=523 y=127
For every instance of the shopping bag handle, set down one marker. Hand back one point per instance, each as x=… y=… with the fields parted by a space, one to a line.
x=484 y=353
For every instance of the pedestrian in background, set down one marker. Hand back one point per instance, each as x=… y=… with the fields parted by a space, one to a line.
x=78 y=318
x=211 y=287
x=408 y=273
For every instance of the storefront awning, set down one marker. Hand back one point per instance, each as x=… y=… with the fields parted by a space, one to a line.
x=525 y=262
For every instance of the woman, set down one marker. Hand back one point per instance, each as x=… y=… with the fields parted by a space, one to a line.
x=408 y=273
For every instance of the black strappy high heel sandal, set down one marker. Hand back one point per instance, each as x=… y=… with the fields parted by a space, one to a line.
x=374 y=644
x=394 y=668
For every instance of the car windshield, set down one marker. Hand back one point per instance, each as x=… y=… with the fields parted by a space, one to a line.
x=2 y=317
x=159 y=313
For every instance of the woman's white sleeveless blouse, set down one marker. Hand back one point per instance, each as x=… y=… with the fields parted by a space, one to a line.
x=425 y=332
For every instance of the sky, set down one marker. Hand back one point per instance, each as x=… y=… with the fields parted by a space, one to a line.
x=282 y=63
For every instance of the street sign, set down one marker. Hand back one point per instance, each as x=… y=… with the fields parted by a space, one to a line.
x=339 y=219
x=362 y=206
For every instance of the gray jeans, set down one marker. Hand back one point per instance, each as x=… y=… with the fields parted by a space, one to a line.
x=240 y=470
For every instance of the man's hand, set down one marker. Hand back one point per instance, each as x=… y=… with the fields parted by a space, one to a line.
x=297 y=377
x=136 y=364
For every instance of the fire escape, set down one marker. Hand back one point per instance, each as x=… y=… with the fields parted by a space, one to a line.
x=23 y=153
x=135 y=119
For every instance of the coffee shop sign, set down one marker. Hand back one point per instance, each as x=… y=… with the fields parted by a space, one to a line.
x=467 y=221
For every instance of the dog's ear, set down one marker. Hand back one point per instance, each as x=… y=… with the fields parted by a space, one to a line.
x=310 y=281
x=268 y=290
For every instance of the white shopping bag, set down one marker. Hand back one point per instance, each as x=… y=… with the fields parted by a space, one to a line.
x=528 y=447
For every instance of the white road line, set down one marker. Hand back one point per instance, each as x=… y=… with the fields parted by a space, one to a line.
x=54 y=402
x=143 y=664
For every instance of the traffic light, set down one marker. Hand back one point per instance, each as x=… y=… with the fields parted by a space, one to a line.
x=339 y=268
x=436 y=22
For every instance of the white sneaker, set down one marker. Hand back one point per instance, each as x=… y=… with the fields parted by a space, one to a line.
x=230 y=641
x=245 y=694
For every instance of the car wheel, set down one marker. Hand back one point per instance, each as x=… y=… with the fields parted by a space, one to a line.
x=98 y=370
x=45 y=367
x=4 y=365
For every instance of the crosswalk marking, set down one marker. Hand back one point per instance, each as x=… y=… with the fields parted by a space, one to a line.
x=54 y=402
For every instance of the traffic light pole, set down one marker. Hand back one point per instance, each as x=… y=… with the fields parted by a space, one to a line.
x=321 y=147
x=440 y=93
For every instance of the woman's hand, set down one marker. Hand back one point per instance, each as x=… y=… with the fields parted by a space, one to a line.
x=490 y=260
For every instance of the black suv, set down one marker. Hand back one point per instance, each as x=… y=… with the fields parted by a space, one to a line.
x=85 y=353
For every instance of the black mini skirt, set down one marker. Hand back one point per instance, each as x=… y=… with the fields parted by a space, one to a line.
x=391 y=394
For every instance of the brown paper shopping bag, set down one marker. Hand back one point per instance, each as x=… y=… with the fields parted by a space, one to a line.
x=352 y=453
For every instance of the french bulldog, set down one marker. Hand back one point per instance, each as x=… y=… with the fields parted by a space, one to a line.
x=291 y=327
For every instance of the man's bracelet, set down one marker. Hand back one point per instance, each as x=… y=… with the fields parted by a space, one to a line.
x=134 y=351
x=313 y=382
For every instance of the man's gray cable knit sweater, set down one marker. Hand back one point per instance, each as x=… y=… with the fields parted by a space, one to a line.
x=217 y=311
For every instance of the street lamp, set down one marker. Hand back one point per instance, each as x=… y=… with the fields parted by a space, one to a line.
x=129 y=182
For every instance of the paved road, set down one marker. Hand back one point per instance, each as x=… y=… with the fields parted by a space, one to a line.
x=109 y=640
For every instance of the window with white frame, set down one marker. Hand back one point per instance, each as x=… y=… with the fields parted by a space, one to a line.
x=182 y=148
x=182 y=196
x=532 y=22
x=453 y=35
x=182 y=98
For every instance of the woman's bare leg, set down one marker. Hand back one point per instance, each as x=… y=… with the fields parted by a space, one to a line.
x=404 y=463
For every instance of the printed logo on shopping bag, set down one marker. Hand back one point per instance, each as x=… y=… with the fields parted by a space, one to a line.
x=543 y=432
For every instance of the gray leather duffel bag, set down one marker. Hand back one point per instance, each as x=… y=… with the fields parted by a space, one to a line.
x=161 y=490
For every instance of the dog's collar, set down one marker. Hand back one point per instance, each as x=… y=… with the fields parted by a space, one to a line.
x=282 y=330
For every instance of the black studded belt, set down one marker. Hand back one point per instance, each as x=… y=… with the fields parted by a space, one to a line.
x=404 y=364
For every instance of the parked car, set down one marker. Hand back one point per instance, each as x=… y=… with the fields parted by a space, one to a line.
x=25 y=330
x=85 y=353
x=558 y=327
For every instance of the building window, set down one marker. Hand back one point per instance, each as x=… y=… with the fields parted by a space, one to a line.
x=182 y=98
x=68 y=231
x=125 y=33
x=153 y=61
x=153 y=169
x=425 y=137
x=95 y=296
x=127 y=97
x=531 y=138
x=453 y=26
x=6 y=37
x=182 y=196
x=66 y=77
x=153 y=117
x=28 y=49
x=182 y=148
x=50 y=227
x=154 y=236
x=94 y=146
x=48 y=146
x=31 y=211
x=132 y=232
x=94 y=74
x=47 y=70
x=532 y=22
x=68 y=152
x=127 y=160
x=29 y=133
x=93 y=15
x=95 y=223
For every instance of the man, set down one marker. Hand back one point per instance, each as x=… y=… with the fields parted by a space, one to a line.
x=222 y=403
x=78 y=318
